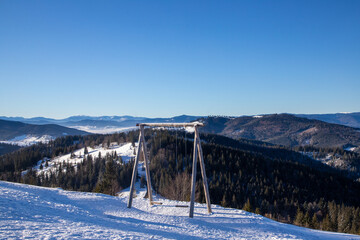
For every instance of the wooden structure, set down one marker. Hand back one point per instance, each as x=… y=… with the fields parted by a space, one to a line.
x=196 y=154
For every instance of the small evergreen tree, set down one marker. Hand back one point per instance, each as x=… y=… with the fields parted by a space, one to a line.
x=299 y=218
x=247 y=207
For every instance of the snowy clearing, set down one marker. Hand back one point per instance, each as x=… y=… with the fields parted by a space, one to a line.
x=350 y=149
x=47 y=213
x=125 y=150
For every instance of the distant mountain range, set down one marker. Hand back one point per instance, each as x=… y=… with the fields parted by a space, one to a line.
x=284 y=129
x=97 y=123
x=347 y=119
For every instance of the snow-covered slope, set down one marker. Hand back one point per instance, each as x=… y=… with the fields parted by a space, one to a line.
x=124 y=150
x=27 y=140
x=47 y=213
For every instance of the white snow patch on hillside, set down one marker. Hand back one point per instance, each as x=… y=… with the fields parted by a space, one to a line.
x=351 y=149
x=52 y=213
x=258 y=116
x=27 y=140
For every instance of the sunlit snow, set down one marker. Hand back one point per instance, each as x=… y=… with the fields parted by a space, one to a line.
x=52 y=213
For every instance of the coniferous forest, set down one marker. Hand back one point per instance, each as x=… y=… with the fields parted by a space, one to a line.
x=269 y=180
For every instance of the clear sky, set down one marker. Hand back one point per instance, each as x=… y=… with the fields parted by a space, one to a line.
x=166 y=58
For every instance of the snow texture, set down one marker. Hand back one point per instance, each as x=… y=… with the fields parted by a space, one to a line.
x=52 y=213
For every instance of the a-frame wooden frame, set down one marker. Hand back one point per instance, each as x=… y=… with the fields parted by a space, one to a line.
x=197 y=153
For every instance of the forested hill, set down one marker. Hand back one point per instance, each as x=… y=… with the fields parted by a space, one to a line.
x=276 y=185
x=12 y=129
x=347 y=119
x=284 y=129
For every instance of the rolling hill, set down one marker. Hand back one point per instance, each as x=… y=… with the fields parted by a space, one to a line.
x=284 y=129
x=12 y=131
x=347 y=119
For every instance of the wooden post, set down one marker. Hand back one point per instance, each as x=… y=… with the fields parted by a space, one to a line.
x=133 y=178
x=193 y=177
x=203 y=173
x=148 y=179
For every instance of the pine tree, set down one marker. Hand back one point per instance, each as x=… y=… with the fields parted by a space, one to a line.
x=325 y=224
x=247 y=207
x=108 y=184
x=307 y=220
x=314 y=222
x=299 y=218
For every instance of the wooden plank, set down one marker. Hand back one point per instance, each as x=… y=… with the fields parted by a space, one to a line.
x=133 y=178
x=194 y=124
x=193 y=178
x=203 y=172
x=146 y=162
x=184 y=206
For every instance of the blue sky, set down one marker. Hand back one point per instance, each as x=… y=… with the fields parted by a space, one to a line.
x=166 y=58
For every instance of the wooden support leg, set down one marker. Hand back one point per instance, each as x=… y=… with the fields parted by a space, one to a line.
x=193 y=178
x=133 y=178
x=203 y=173
x=146 y=162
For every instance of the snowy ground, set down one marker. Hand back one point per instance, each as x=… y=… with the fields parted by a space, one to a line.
x=333 y=160
x=51 y=213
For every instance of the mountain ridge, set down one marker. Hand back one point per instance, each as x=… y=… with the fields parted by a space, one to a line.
x=284 y=129
x=12 y=129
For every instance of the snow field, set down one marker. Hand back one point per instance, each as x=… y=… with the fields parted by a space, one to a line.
x=52 y=213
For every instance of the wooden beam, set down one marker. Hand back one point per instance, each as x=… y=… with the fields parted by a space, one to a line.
x=193 y=178
x=193 y=124
x=147 y=170
x=203 y=172
x=133 y=178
